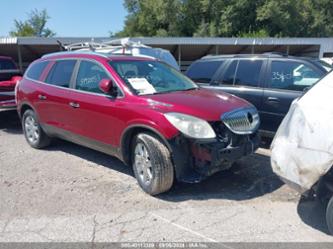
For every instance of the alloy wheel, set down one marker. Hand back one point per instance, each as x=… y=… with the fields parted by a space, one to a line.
x=143 y=164
x=31 y=129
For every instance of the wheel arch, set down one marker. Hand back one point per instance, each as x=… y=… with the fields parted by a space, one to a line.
x=128 y=135
x=23 y=108
x=324 y=187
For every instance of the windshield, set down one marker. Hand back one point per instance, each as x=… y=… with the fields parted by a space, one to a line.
x=151 y=77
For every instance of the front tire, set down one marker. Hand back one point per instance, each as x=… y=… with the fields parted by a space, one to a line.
x=152 y=164
x=329 y=216
x=33 y=132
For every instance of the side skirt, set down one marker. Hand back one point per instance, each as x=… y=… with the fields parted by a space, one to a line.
x=82 y=140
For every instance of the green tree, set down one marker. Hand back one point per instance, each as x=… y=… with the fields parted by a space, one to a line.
x=152 y=18
x=35 y=25
x=244 y=18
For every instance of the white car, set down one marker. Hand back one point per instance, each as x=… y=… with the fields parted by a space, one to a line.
x=302 y=149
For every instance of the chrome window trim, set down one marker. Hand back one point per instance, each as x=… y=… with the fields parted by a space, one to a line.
x=71 y=87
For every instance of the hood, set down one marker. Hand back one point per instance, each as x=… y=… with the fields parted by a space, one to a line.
x=202 y=103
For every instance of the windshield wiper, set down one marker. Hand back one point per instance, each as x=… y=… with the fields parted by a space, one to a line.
x=175 y=90
x=189 y=89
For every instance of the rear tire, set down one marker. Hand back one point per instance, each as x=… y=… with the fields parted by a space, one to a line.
x=329 y=216
x=152 y=164
x=33 y=132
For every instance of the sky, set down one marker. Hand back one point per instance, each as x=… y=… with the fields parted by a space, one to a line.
x=69 y=18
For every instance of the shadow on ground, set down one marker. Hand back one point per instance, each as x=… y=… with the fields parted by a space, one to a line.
x=249 y=178
x=313 y=213
x=10 y=122
x=90 y=155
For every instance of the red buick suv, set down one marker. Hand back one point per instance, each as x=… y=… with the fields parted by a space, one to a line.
x=140 y=110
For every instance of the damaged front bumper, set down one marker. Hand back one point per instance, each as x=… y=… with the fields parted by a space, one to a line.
x=195 y=159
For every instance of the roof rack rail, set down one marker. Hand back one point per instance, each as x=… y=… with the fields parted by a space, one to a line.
x=124 y=46
x=106 y=45
x=92 y=46
x=75 y=52
x=125 y=42
x=276 y=53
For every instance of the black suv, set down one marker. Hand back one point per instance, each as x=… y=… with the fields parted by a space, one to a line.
x=269 y=81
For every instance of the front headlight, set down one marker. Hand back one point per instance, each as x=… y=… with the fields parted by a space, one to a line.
x=190 y=126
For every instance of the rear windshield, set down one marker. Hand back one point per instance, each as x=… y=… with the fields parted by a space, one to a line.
x=203 y=71
x=7 y=64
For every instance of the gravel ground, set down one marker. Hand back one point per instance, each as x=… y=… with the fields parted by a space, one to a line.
x=71 y=193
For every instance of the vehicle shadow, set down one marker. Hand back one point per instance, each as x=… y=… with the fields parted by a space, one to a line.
x=313 y=213
x=90 y=155
x=10 y=122
x=249 y=178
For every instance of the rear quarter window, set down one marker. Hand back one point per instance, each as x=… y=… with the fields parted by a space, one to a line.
x=36 y=70
x=203 y=71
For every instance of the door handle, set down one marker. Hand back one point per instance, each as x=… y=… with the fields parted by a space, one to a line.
x=42 y=97
x=273 y=99
x=74 y=104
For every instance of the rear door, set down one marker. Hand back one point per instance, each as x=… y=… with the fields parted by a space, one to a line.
x=286 y=81
x=243 y=78
x=54 y=96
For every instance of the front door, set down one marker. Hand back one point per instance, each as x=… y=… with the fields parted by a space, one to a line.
x=93 y=116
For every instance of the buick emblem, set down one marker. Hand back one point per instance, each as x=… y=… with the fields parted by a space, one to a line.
x=249 y=117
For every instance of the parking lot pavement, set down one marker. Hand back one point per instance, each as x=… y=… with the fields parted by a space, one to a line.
x=71 y=193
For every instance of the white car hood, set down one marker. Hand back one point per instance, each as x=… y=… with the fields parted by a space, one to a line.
x=302 y=150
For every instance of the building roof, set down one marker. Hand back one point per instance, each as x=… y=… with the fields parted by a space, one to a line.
x=184 y=49
x=172 y=40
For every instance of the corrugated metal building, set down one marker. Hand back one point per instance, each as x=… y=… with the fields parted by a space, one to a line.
x=185 y=49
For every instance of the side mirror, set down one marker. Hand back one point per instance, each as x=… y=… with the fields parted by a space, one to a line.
x=107 y=86
x=306 y=89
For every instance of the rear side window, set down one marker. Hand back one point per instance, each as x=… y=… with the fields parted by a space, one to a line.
x=7 y=64
x=248 y=73
x=203 y=71
x=36 y=70
x=61 y=73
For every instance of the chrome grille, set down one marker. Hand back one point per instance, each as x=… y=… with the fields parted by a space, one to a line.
x=242 y=121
